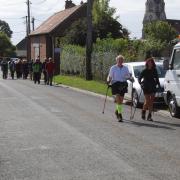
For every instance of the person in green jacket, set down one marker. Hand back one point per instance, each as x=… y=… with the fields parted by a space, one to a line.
x=37 y=68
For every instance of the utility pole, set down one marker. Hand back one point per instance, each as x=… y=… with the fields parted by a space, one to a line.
x=25 y=17
x=28 y=12
x=26 y=26
x=28 y=31
x=89 y=40
x=33 y=19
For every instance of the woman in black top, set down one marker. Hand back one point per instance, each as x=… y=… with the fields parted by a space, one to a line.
x=149 y=80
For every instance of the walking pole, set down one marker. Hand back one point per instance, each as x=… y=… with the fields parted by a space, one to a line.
x=54 y=78
x=105 y=99
x=131 y=100
x=132 y=116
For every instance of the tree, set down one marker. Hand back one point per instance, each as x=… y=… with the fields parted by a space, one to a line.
x=160 y=30
x=158 y=35
x=100 y=9
x=105 y=24
x=76 y=33
x=4 y=27
x=6 y=47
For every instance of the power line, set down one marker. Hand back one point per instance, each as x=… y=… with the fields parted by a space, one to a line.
x=11 y=18
x=41 y=2
x=12 y=4
x=39 y=20
x=19 y=32
x=54 y=5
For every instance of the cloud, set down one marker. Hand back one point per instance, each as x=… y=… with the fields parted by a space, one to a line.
x=131 y=13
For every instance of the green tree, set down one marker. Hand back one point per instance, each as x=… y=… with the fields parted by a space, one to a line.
x=105 y=24
x=158 y=35
x=76 y=33
x=100 y=9
x=160 y=30
x=6 y=47
x=4 y=27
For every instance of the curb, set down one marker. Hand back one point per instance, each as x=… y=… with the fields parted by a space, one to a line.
x=160 y=112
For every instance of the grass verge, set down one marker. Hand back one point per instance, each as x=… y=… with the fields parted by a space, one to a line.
x=73 y=81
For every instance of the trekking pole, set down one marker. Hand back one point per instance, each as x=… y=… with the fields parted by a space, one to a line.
x=131 y=100
x=105 y=99
x=132 y=115
x=54 y=79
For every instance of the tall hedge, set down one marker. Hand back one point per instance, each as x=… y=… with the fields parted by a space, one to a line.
x=103 y=56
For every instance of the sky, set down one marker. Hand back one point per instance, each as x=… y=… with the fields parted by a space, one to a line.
x=130 y=12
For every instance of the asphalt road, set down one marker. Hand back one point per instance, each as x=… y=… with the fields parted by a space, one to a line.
x=56 y=133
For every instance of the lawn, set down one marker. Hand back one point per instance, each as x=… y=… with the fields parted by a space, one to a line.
x=74 y=81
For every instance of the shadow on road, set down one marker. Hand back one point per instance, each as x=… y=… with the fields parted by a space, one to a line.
x=141 y=124
x=169 y=124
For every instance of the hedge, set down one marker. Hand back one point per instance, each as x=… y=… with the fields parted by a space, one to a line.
x=103 y=56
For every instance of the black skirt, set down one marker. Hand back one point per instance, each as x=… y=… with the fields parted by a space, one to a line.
x=119 y=88
x=149 y=88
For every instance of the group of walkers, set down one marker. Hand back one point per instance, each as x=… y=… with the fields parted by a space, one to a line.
x=117 y=79
x=148 y=79
x=23 y=68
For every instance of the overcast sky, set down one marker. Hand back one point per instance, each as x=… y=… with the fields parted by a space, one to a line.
x=131 y=13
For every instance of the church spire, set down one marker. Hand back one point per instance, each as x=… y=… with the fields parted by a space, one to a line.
x=155 y=10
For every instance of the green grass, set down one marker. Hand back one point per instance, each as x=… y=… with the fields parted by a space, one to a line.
x=73 y=81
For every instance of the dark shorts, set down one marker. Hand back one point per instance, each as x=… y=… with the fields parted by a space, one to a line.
x=119 y=88
x=149 y=89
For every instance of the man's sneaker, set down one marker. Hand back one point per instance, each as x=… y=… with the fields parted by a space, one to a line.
x=120 y=118
x=149 y=117
x=143 y=115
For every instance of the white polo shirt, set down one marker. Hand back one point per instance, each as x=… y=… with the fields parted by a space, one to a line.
x=117 y=73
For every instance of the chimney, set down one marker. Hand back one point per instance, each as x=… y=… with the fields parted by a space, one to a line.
x=69 y=4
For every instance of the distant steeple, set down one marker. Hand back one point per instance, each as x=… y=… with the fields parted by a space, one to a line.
x=155 y=10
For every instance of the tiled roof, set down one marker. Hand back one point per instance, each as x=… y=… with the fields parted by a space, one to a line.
x=55 y=20
x=22 y=44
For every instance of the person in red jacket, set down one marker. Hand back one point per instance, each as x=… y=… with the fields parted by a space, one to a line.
x=50 y=67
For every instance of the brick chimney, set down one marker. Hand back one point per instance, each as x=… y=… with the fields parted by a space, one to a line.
x=69 y=4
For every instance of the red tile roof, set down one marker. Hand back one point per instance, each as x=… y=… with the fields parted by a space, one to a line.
x=54 y=21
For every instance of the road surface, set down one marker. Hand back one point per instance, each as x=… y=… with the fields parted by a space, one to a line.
x=56 y=133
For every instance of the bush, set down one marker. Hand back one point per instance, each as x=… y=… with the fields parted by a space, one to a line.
x=73 y=60
x=103 y=56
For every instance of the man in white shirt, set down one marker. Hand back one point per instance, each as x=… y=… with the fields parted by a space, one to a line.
x=117 y=78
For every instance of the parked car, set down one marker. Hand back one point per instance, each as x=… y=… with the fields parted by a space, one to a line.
x=172 y=82
x=135 y=93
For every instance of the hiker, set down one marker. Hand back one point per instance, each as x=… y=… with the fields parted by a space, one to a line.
x=37 y=67
x=149 y=80
x=30 y=69
x=25 y=69
x=50 y=67
x=44 y=70
x=117 y=79
x=19 y=69
x=4 y=68
x=12 y=68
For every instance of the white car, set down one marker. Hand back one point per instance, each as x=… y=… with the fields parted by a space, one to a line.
x=135 y=93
